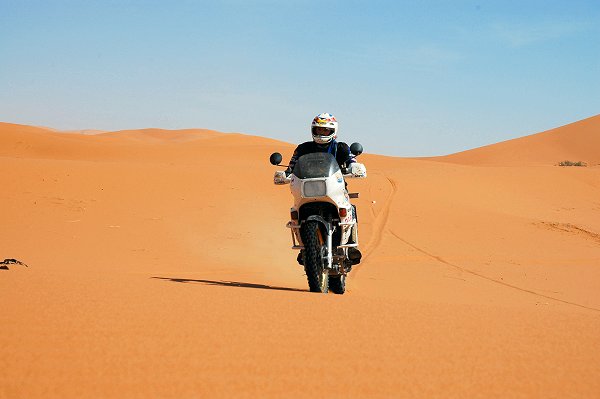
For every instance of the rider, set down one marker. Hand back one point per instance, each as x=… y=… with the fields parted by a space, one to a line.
x=324 y=128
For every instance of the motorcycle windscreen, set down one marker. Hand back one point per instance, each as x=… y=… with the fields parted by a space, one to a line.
x=316 y=164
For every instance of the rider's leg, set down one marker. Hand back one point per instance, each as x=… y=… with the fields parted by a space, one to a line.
x=353 y=252
x=354 y=233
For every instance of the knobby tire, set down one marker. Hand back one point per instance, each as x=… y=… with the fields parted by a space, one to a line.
x=318 y=280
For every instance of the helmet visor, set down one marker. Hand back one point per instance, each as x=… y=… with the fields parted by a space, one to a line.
x=322 y=131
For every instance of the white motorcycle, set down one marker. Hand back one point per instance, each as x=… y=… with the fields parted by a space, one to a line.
x=323 y=221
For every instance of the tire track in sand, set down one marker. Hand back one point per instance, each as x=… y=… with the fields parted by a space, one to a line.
x=380 y=221
x=465 y=270
x=380 y=225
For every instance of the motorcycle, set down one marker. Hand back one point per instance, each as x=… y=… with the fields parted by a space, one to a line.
x=323 y=222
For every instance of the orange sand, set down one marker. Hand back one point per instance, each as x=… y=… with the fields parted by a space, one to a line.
x=159 y=266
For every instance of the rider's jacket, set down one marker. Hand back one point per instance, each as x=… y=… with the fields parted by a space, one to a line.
x=340 y=150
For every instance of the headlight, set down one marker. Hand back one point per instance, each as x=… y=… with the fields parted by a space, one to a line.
x=316 y=188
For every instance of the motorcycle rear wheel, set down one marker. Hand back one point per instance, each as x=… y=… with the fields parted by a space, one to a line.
x=316 y=274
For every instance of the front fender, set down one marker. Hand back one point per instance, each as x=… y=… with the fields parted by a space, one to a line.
x=321 y=220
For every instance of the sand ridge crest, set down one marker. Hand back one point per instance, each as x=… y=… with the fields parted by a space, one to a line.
x=575 y=142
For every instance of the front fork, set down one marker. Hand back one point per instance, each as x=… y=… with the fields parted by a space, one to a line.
x=329 y=264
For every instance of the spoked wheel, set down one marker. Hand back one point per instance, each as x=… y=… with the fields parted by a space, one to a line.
x=316 y=274
x=337 y=284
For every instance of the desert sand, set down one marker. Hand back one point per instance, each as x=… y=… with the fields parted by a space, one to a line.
x=159 y=266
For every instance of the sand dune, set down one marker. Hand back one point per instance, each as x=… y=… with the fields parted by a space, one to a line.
x=81 y=131
x=159 y=266
x=579 y=141
x=161 y=135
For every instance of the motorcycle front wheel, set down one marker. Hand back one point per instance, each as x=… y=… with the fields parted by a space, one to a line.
x=316 y=274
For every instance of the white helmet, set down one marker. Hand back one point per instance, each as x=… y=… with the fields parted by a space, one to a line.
x=324 y=128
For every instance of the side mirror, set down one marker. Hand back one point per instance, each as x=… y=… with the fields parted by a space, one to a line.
x=276 y=158
x=356 y=148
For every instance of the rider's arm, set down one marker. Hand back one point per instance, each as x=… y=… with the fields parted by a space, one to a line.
x=292 y=163
x=344 y=157
x=302 y=149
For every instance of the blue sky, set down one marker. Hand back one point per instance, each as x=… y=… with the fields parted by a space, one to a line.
x=405 y=78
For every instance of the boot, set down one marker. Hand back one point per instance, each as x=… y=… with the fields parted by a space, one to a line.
x=354 y=255
x=299 y=258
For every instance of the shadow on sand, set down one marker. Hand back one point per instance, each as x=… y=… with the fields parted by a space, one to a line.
x=229 y=284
